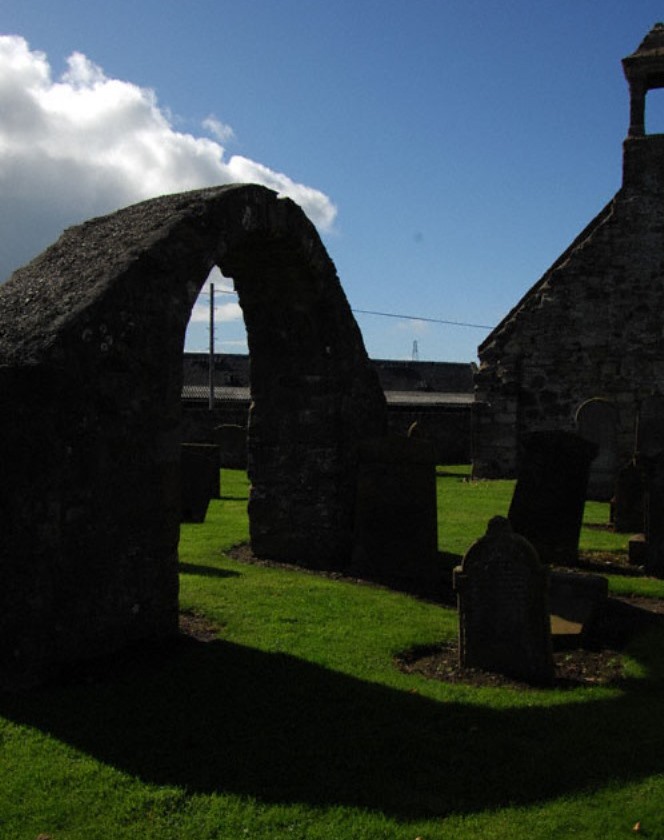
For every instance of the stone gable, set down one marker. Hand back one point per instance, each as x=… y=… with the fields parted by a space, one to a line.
x=590 y=327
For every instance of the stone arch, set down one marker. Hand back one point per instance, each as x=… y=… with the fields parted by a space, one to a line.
x=91 y=340
x=597 y=421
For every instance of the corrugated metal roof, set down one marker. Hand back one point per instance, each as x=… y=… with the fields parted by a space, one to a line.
x=427 y=398
x=232 y=370
x=221 y=393
x=405 y=398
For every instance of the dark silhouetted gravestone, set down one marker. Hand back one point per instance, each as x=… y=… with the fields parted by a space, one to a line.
x=396 y=526
x=650 y=432
x=627 y=507
x=637 y=550
x=504 y=623
x=200 y=480
x=549 y=497
x=232 y=441
x=654 y=515
x=578 y=599
x=650 y=455
x=597 y=421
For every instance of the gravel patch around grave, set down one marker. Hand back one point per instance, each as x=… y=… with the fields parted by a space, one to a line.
x=597 y=660
x=572 y=668
x=198 y=627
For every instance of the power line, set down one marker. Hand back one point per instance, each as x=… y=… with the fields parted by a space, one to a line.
x=217 y=291
x=388 y=314
x=420 y=318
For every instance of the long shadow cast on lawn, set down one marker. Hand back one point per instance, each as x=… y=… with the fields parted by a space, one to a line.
x=206 y=571
x=218 y=717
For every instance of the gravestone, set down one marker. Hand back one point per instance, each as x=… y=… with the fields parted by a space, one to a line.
x=627 y=505
x=597 y=421
x=502 y=592
x=637 y=550
x=232 y=441
x=396 y=528
x=650 y=432
x=199 y=479
x=578 y=599
x=549 y=496
x=654 y=514
x=650 y=455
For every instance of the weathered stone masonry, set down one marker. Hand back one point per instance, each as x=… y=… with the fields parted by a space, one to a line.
x=91 y=340
x=593 y=325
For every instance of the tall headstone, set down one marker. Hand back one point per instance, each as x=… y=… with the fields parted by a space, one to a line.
x=654 y=514
x=199 y=479
x=597 y=421
x=232 y=441
x=650 y=455
x=549 y=497
x=396 y=524
x=627 y=505
x=502 y=592
x=650 y=432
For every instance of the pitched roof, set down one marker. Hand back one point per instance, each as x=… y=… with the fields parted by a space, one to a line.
x=653 y=43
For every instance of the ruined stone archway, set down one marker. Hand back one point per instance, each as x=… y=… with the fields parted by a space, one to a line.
x=91 y=338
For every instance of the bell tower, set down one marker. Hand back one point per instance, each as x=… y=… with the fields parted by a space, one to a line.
x=643 y=154
x=644 y=71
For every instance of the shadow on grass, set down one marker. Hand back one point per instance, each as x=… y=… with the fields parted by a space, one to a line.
x=207 y=571
x=218 y=717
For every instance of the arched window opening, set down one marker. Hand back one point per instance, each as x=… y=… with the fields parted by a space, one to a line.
x=655 y=111
x=222 y=313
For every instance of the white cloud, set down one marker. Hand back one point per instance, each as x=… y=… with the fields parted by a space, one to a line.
x=413 y=325
x=217 y=129
x=84 y=145
x=200 y=314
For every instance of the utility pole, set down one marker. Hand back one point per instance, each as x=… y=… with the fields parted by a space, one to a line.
x=416 y=352
x=211 y=355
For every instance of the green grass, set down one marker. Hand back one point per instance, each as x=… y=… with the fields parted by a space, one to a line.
x=465 y=507
x=295 y=723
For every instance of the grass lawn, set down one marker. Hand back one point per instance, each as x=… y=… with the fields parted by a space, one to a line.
x=294 y=723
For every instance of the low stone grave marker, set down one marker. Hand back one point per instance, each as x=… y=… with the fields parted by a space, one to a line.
x=637 y=550
x=199 y=480
x=550 y=493
x=576 y=602
x=504 y=623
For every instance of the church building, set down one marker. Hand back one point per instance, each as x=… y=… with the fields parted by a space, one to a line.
x=591 y=330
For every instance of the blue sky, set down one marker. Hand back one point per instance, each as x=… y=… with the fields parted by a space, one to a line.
x=448 y=150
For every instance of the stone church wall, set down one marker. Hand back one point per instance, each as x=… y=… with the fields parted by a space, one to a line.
x=591 y=327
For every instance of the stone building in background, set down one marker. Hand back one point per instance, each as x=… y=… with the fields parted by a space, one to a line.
x=592 y=328
x=437 y=396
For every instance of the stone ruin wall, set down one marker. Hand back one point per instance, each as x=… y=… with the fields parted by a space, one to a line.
x=592 y=327
x=91 y=340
